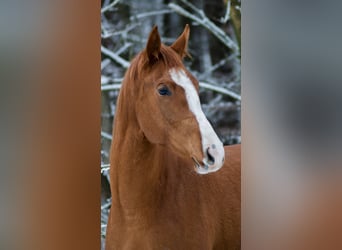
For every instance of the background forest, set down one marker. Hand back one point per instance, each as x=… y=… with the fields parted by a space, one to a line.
x=214 y=46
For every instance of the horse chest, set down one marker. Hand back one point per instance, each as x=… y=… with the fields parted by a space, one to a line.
x=165 y=230
x=163 y=237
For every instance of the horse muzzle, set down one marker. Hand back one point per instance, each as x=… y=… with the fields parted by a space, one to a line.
x=213 y=159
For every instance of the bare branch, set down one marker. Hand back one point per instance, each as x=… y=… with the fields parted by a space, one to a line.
x=115 y=57
x=192 y=7
x=151 y=13
x=123 y=48
x=218 y=65
x=105 y=63
x=106 y=80
x=108 y=7
x=108 y=34
x=220 y=90
x=107 y=87
x=105 y=168
x=226 y=16
x=214 y=67
x=210 y=26
x=107 y=205
x=106 y=135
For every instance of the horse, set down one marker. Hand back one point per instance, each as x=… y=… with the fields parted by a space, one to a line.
x=167 y=192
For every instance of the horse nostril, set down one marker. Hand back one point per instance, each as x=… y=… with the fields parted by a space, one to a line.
x=211 y=159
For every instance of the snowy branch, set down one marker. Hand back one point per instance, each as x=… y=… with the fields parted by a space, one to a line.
x=106 y=135
x=106 y=80
x=107 y=205
x=214 y=67
x=226 y=16
x=221 y=90
x=108 y=34
x=105 y=167
x=105 y=63
x=107 y=87
x=115 y=57
x=151 y=13
x=204 y=21
x=108 y=7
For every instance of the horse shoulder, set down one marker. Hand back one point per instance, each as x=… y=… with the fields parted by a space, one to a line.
x=224 y=205
x=232 y=164
x=231 y=174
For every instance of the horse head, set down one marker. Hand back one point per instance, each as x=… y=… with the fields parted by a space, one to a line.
x=167 y=104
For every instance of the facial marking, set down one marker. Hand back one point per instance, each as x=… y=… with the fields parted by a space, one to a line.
x=208 y=134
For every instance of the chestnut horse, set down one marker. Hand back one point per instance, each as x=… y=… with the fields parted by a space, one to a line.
x=165 y=194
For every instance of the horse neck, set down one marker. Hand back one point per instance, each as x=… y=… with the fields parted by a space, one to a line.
x=137 y=167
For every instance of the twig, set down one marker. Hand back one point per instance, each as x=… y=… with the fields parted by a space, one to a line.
x=104 y=170
x=151 y=13
x=106 y=135
x=105 y=167
x=107 y=205
x=226 y=16
x=191 y=6
x=217 y=65
x=220 y=90
x=214 y=67
x=115 y=57
x=210 y=26
x=104 y=9
x=107 y=87
x=116 y=33
x=105 y=63
x=105 y=80
x=123 y=48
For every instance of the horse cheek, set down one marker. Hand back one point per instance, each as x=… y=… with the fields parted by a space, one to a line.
x=151 y=127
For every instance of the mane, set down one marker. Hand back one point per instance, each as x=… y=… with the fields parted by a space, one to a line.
x=140 y=63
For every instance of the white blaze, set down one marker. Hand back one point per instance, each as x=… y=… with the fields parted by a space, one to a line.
x=208 y=134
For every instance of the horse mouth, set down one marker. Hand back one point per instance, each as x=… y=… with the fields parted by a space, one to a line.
x=201 y=168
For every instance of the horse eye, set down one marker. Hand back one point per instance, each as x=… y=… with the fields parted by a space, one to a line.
x=164 y=91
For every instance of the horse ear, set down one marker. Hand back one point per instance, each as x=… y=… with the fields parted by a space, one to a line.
x=153 y=44
x=181 y=44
